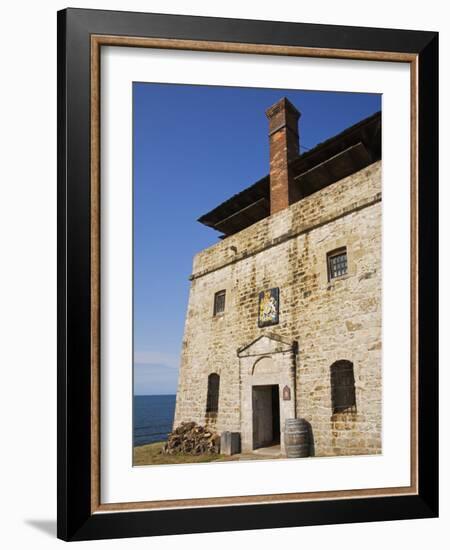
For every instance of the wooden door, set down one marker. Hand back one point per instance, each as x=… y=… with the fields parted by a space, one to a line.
x=262 y=416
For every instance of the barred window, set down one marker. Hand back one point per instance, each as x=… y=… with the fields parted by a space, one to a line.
x=337 y=263
x=219 y=302
x=342 y=377
x=212 y=399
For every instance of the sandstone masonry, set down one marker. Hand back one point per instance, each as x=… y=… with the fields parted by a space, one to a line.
x=322 y=321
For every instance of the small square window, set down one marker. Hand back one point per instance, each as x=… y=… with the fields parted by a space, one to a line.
x=337 y=263
x=219 y=302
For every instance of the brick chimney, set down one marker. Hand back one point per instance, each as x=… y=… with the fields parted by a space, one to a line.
x=284 y=146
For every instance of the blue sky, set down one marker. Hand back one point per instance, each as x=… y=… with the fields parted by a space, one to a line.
x=194 y=147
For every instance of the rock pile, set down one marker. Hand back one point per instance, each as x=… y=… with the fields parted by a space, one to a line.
x=191 y=438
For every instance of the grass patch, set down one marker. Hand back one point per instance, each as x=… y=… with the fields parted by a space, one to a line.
x=144 y=455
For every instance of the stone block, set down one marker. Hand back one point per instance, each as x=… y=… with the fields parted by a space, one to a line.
x=230 y=443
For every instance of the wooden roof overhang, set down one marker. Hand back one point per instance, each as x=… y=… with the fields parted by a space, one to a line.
x=338 y=157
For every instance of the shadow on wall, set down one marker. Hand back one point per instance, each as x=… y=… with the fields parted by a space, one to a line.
x=312 y=449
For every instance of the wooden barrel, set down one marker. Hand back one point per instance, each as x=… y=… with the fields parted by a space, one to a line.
x=296 y=438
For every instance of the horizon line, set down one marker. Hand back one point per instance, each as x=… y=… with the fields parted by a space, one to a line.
x=152 y=394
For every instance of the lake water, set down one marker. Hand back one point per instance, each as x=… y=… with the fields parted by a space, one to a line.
x=152 y=418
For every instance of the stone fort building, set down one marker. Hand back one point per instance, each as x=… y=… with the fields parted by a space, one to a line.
x=284 y=313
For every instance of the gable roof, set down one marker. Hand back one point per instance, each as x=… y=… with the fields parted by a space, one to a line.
x=336 y=158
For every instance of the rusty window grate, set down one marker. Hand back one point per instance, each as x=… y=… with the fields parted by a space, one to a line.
x=219 y=302
x=212 y=399
x=337 y=263
x=343 y=398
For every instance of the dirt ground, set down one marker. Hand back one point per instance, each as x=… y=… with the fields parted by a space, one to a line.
x=145 y=455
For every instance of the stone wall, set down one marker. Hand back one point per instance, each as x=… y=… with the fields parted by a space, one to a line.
x=329 y=321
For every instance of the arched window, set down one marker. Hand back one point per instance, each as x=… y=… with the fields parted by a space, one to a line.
x=342 y=377
x=212 y=400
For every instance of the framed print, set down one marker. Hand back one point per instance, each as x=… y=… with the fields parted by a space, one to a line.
x=247 y=274
x=269 y=307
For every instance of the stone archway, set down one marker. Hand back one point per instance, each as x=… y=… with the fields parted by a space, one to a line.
x=267 y=376
x=264 y=365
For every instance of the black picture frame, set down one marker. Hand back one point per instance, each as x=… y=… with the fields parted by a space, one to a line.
x=76 y=521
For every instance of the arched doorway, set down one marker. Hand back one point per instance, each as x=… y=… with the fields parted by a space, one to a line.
x=267 y=367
